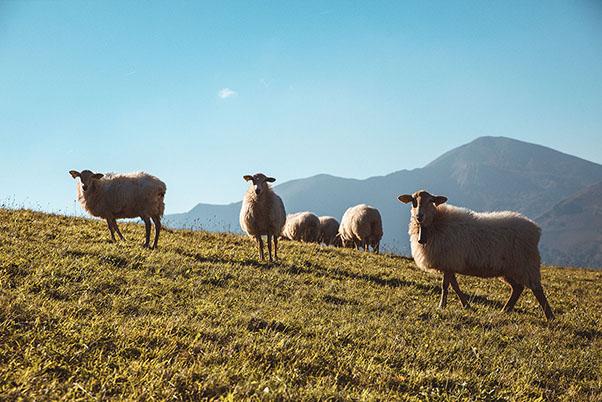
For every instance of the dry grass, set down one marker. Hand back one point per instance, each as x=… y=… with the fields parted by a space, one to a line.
x=81 y=318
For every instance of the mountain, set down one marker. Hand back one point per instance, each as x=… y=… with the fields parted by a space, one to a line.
x=489 y=173
x=214 y=218
x=502 y=173
x=572 y=229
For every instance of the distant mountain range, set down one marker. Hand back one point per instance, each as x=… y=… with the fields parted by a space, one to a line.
x=572 y=229
x=489 y=173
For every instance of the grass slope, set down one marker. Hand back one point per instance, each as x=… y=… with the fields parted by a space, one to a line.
x=81 y=318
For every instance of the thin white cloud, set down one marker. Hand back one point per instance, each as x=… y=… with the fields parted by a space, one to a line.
x=226 y=93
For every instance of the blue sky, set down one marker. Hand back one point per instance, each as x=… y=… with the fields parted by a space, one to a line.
x=201 y=93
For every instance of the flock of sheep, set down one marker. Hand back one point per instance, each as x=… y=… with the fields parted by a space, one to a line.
x=263 y=214
x=443 y=238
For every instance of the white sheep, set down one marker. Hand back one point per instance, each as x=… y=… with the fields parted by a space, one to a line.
x=262 y=213
x=115 y=196
x=302 y=226
x=451 y=240
x=329 y=227
x=361 y=226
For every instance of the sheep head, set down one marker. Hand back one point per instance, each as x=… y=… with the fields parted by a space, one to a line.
x=424 y=207
x=260 y=182
x=87 y=177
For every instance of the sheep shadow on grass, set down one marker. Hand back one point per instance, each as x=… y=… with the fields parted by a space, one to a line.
x=337 y=273
x=221 y=260
x=116 y=261
x=309 y=267
x=484 y=301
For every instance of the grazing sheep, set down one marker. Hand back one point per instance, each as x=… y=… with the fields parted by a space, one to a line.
x=262 y=213
x=361 y=226
x=329 y=227
x=338 y=241
x=302 y=226
x=114 y=196
x=454 y=240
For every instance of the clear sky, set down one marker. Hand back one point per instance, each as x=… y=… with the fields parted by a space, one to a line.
x=201 y=93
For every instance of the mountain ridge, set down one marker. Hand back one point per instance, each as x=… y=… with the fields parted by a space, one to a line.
x=486 y=174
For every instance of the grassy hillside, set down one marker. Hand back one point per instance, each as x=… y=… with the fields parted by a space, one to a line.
x=81 y=318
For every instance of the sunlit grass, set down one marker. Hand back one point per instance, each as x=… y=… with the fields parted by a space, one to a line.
x=82 y=318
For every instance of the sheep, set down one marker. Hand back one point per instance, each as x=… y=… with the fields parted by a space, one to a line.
x=361 y=226
x=329 y=227
x=115 y=196
x=454 y=240
x=302 y=226
x=262 y=213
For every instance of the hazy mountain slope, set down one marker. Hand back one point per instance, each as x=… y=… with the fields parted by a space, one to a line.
x=215 y=218
x=489 y=173
x=572 y=229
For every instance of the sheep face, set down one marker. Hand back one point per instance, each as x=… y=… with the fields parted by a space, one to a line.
x=260 y=182
x=87 y=177
x=423 y=210
x=338 y=241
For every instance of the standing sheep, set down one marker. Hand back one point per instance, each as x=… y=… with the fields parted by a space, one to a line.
x=262 y=213
x=329 y=227
x=361 y=226
x=454 y=240
x=302 y=226
x=115 y=196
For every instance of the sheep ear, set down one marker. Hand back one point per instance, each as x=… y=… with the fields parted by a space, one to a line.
x=74 y=173
x=247 y=177
x=97 y=176
x=270 y=179
x=405 y=198
x=439 y=199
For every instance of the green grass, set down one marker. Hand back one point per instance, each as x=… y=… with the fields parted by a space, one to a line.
x=82 y=318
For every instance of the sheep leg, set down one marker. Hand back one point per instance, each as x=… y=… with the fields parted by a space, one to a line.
x=517 y=289
x=157 y=222
x=147 y=229
x=110 y=225
x=275 y=247
x=377 y=248
x=270 y=247
x=117 y=229
x=260 y=245
x=444 y=288
x=543 y=302
x=456 y=288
